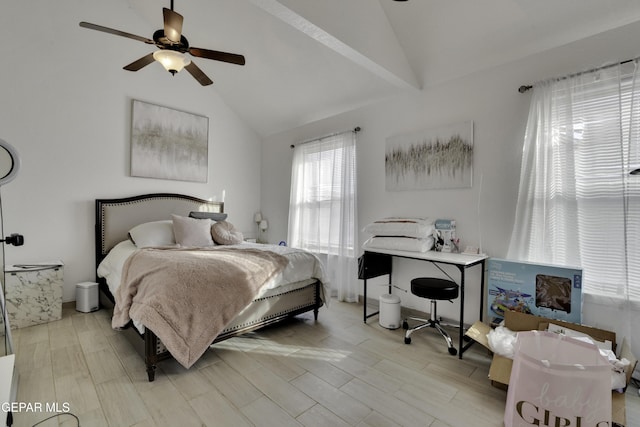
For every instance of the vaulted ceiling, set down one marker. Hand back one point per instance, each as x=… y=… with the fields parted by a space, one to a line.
x=310 y=59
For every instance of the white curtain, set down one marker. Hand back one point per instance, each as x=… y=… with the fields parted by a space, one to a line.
x=322 y=209
x=578 y=204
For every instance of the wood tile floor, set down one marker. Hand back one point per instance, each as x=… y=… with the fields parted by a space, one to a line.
x=336 y=372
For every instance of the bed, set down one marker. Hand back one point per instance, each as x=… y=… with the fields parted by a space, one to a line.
x=292 y=291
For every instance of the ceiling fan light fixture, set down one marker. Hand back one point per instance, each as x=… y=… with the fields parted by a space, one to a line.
x=172 y=60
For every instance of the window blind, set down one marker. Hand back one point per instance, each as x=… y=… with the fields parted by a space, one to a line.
x=578 y=205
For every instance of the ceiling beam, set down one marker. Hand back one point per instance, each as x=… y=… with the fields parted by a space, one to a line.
x=338 y=25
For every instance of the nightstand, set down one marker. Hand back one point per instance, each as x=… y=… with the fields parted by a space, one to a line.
x=33 y=293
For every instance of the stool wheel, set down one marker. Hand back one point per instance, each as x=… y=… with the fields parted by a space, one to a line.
x=405 y=325
x=407 y=340
x=453 y=351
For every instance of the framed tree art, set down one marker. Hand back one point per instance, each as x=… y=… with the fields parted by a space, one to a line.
x=430 y=159
x=168 y=143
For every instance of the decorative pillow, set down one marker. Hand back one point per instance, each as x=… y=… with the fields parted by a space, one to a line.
x=155 y=233
x=224 y=233
x=214 y=216
x=192 y=232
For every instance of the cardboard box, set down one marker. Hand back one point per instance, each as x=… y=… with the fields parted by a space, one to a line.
x=500 y=369
x=546 y=290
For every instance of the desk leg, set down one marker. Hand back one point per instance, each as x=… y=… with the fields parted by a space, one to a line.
x=461 y=331
x=482 y=292
x=461 y=338
x=364 y=303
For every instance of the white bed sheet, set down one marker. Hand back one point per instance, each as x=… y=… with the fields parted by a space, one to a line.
x=304 y=267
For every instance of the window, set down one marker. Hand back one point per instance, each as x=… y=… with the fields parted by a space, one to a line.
x=322 y=210
x=578 y=204
x=324 y=189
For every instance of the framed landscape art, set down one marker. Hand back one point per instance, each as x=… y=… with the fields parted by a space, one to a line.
x=168 y=143
x=430 y=159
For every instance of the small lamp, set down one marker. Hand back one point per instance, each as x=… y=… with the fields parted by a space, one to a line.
x=257 y=218
x=263 y=227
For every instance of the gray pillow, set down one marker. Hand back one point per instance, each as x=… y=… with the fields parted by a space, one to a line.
x=192 y=232
x=224 y=233
x=213 y=216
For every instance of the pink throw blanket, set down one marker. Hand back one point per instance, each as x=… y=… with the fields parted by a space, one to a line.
x=187 y=296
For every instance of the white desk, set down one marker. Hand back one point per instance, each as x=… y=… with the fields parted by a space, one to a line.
x=373 y=264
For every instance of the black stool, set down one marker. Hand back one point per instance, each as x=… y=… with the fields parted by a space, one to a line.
x=435 y=289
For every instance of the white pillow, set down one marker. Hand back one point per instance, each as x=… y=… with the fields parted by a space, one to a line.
x=409 y=227
x=192 y=232
x=410 y=244
x=156 y=233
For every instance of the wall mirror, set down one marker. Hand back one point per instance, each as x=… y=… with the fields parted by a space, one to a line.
x=9 y=162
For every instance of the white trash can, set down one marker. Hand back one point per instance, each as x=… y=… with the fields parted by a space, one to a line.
x=87 y=297
x=389 y=316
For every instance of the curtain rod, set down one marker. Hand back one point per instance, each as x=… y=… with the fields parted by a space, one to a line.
x=524 y=88
x=354 y=130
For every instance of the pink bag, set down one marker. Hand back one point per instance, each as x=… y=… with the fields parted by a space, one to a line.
x=558 y=381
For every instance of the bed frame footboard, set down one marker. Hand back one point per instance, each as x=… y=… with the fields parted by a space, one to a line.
x=275 y=308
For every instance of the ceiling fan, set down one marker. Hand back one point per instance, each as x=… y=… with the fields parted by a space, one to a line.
x=172 y=47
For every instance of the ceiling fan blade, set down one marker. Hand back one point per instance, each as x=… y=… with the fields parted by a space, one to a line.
x=116 y=32
x=232 y=58
x=172 y=24
x=142 y=62
x=198 y=74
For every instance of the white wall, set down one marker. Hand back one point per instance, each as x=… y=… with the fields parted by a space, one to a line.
x=485 y=212
x=65 y=105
